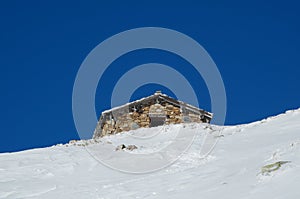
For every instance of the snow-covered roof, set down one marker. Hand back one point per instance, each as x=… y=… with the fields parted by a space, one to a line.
x=167 y=98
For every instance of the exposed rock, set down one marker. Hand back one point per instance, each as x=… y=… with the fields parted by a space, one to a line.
x=273 y=167
x=123 y=146
x=131 y=147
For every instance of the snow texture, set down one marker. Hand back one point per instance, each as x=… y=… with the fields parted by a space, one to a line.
x=235 y=168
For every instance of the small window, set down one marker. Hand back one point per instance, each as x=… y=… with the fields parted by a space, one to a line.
x=157 y=115
x=157 y=121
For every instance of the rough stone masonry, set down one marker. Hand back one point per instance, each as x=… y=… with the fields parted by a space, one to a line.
x=155 y=110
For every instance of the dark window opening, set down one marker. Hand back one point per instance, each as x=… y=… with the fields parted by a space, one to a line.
x=157 y=121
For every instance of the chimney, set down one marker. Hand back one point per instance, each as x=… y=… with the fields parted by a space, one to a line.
x=157 y=93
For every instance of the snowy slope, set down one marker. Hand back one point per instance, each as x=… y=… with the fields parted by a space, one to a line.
x=231 y=170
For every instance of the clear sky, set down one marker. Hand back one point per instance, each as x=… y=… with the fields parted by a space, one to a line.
x=255 y=46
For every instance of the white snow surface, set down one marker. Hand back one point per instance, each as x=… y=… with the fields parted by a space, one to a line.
x=231 y=170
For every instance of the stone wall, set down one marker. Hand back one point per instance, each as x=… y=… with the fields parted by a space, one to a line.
x=120 y=121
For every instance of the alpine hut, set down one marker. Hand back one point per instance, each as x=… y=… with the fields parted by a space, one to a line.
x=155 y=110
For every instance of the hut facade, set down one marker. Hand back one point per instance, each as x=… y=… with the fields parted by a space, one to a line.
x=155 y=110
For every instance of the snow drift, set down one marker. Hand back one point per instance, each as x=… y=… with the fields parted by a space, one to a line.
x=257 y=160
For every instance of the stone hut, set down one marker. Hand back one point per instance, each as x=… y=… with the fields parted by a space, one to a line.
x=155 y=110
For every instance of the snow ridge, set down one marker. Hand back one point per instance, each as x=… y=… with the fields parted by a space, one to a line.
x=234 y=168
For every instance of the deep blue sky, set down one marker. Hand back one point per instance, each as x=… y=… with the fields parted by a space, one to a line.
x=255 y=46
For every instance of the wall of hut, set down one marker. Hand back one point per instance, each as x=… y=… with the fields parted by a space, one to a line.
x=131 y=118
